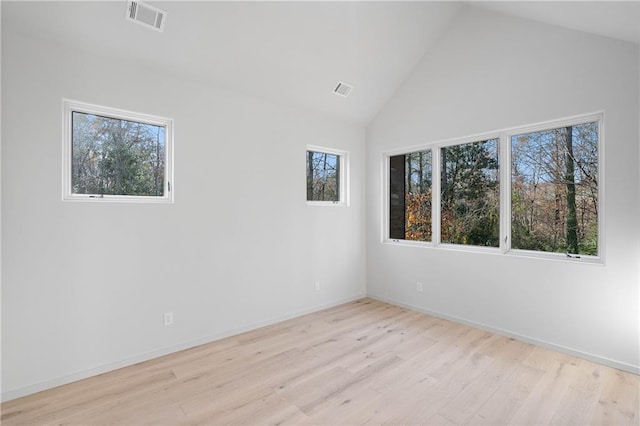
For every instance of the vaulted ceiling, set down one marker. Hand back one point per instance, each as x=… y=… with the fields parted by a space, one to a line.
x=293 y=53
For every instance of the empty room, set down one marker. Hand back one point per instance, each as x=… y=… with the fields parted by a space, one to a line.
x=320 y=213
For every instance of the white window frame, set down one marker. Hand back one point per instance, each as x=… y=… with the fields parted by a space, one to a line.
x=505 y=240
x=71 y=106
x=504 y=138
x=387 y=195
x=343 y=189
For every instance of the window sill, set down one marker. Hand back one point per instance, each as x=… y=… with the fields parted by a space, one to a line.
x=117 y=199
x=558 y=257
x=327 y=203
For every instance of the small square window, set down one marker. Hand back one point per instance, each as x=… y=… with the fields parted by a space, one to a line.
x=326 y=176
x=116 y=155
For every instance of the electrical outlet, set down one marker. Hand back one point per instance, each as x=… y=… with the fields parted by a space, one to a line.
x=168 y=318
x=317 y=285
x=419 y=287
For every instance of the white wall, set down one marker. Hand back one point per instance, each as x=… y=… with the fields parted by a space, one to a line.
x=0 y=209
x=491 y=72
x=85 y=285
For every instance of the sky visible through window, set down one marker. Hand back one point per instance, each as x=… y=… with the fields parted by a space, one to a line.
x=554 y=185
x=112 y=156
x=323 y=176
x=470 y=194
x=554 y=199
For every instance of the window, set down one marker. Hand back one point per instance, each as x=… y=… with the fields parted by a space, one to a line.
x=554 y=190
x=326 y=176
x=410 y=196
x=116 y=155
x=470 y=194
x=531 y=191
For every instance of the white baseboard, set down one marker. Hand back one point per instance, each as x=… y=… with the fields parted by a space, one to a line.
x=634 y=369
x=63 y=380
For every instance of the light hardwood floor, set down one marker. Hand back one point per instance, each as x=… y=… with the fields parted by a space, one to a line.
x=364 y=362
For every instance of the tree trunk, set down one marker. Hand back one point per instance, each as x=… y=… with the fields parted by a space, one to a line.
x=156 y=172
x=310 y=175
x=572 y=219
x=420 y=173
x=444 y=184
x=324 y=177
x=408 y=173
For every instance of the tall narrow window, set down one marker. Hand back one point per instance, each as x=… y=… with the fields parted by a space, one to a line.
x=470 y=194
x=326 y=176
x=117 y=155
x=554 y=190
x=410 y=196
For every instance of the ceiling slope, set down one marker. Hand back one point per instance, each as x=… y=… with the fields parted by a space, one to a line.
x=614 y=19
x=292 y=53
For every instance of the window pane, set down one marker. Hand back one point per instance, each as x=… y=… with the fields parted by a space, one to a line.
x=470 y=192
x=111 y=156
x=554 y=184
x=410 y=196
x=323 y=176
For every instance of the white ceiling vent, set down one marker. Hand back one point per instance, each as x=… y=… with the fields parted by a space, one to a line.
x=343 y=89
x=147 y=15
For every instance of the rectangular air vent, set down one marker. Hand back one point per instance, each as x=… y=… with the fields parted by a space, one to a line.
x=342 y=89
x=145 y=14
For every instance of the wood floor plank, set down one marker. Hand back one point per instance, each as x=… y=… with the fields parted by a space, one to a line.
x=619 y=400
x=502 y=405
x=364 y=362
x=545 y=398
x=234 y=406
x=580 y=396
x=61 y=403
x=468 y=401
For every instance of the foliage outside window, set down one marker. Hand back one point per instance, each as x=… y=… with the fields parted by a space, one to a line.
x=410 y=196
x=325 y=176
x=116 y=155
x=470 y=194
x=554 y=190
x=545 y=201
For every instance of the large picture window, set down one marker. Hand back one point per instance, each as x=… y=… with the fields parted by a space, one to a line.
x=470 y=194
x=116 y=155
x=554 y=190
x=532 y=191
